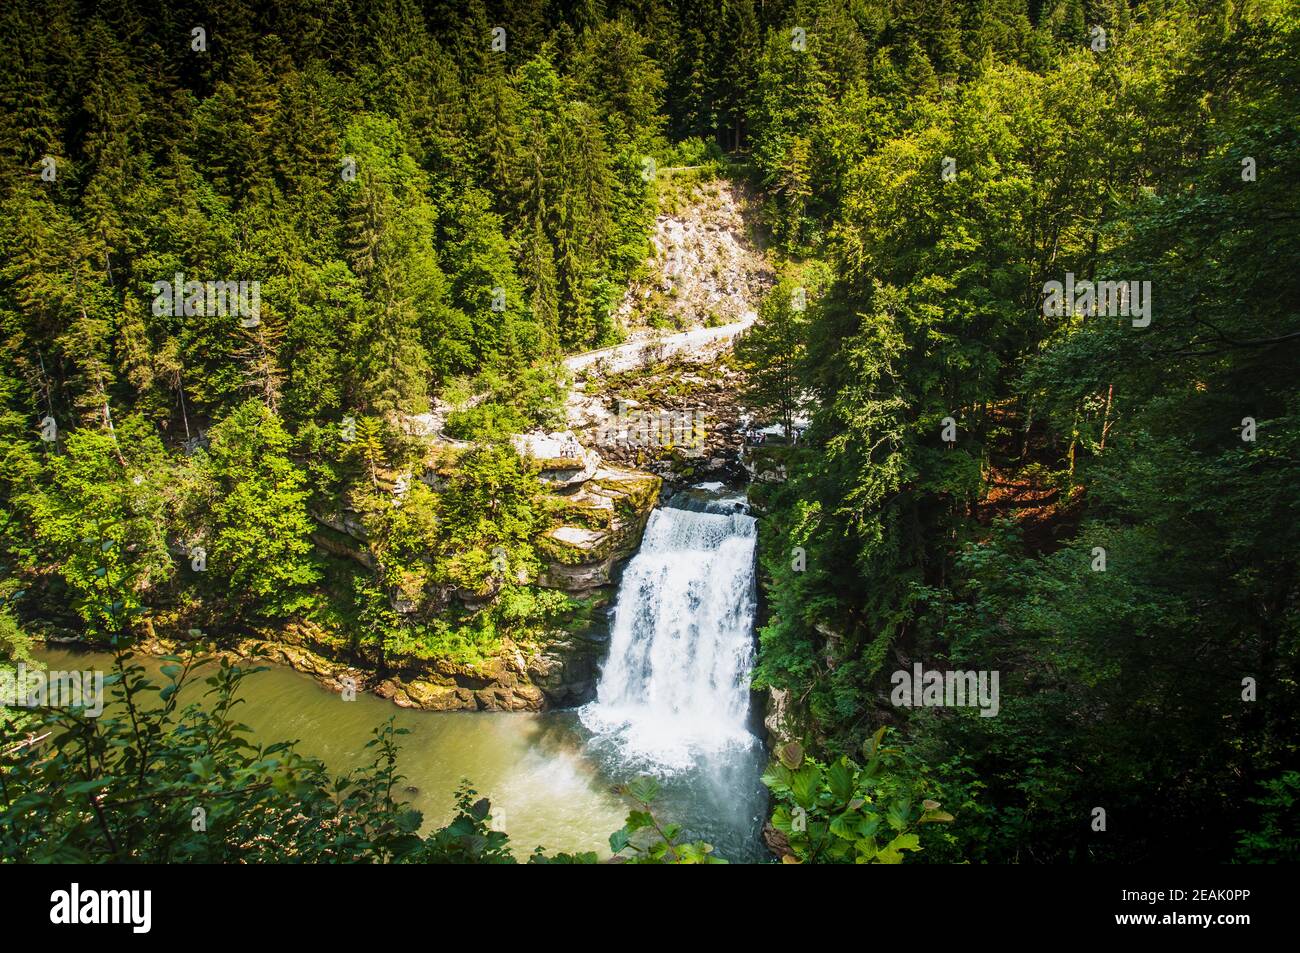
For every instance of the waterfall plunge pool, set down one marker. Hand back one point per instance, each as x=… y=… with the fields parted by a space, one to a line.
x=673 y=702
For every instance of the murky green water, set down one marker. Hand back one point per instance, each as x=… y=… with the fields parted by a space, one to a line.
x=549 y=784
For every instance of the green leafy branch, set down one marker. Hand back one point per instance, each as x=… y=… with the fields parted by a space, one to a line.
x=836 y=813
x=650 y=841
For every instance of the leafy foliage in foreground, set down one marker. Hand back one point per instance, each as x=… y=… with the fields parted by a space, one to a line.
x=842 y=812
x=150 y=782
x=649 y=840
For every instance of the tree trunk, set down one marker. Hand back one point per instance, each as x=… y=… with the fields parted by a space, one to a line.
x=1105 y=420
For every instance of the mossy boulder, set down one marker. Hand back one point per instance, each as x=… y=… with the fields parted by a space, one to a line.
x=581 y=553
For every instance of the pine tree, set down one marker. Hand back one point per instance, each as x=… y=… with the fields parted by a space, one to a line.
x=772 y=353
x=483 y=283
x=389 y=231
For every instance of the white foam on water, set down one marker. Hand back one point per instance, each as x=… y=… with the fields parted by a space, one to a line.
x=675 y=688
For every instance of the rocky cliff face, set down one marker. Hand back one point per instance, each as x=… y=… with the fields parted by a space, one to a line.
x=604 y=518
x=659 y=408
x=602 y=514
x=666 y=400
x=678 y=420
x=708 y=265
x=563 y=674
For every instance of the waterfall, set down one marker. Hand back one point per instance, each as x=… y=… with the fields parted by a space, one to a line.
x=676 y=684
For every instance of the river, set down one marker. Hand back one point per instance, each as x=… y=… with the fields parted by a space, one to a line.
x=672 y=702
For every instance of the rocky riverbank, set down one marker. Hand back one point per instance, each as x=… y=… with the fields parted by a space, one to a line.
x=561 y=674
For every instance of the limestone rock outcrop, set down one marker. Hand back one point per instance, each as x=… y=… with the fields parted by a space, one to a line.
x=602 y=512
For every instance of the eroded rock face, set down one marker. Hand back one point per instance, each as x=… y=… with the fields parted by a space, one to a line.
x=603 y=512
x=777 y=717
x=706 y=261
x=567 y=672
x=680 y=421
x=561 y=459
x=341 y=534
x=702 y=289
x=604 y=521
x=560 y=675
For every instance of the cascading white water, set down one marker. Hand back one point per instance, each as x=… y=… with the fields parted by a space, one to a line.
x=676 y=684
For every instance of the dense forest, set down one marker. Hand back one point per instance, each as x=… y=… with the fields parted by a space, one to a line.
x=1091 y=493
